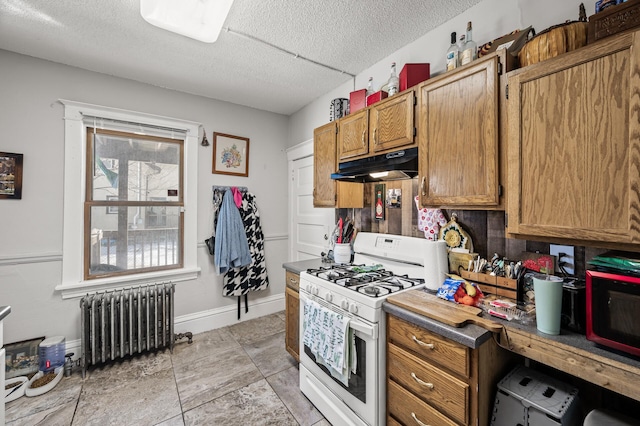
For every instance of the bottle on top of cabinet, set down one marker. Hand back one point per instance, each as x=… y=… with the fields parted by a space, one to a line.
x=370 y=89
x=469 y=51
x=452 y=54
x=461 y=42
x=393 y=85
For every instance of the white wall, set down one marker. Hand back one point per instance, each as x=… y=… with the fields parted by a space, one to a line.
x=31 y=236
x=491 y=19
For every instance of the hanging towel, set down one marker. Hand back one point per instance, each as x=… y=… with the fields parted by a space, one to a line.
x=327 y=335
x=430 y=221
x=231 y=246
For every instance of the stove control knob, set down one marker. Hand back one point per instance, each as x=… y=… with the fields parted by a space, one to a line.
x=328 y=297
x=345 y=304
x=315 y=291
x=353 y=308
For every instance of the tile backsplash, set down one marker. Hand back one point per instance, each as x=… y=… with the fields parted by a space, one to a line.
x=486 y=228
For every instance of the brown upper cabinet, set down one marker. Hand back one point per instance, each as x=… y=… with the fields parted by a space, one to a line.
x=459 y=136
x=383 y=127
x=324 y=163
x=326 y=191
x=574 y=145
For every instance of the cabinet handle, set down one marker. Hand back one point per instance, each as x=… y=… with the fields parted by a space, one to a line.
x=292 y=281
x=375 y=136
x=364 y=133
x=423 y=185
x=418 y=421
x=421 y=382
x=421 y=343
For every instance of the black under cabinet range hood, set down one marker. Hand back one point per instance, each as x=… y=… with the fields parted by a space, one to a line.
x=392 y=166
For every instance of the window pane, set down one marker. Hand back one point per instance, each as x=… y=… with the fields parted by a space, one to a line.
x=144 y=168
x=134 y=238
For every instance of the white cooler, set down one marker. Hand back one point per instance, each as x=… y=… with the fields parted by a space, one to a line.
x=529 y=398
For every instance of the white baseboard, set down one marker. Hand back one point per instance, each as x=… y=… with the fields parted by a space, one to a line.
x=199 y=322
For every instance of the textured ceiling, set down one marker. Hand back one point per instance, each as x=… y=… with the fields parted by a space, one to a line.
x=110 y=36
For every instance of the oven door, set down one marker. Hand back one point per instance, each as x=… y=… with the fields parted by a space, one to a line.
x=361 y=394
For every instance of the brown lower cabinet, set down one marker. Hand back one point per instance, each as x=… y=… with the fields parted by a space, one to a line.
x=292 y=312
x=433 y=380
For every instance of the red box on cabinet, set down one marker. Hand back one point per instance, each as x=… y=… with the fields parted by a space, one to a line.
x=357 y=100
x=413 y=74
x=376 y=97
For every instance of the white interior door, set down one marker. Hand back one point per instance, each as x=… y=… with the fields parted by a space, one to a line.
x=309 y=227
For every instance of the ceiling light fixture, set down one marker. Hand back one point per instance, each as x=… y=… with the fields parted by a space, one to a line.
x=198 y=19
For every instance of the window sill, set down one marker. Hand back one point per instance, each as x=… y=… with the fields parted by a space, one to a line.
x=70 y=291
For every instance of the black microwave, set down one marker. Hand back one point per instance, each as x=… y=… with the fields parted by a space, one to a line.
x=613 y=310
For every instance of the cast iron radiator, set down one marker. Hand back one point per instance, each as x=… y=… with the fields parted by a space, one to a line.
x=124 y=322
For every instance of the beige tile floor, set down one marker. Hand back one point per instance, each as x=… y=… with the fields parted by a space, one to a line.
x=237 y=375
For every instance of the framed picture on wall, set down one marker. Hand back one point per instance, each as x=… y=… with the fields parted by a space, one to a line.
x=380 y=204
x=10 y=176
x=230 y=155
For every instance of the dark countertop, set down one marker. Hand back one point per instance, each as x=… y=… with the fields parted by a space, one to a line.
x=575 y=340
x=4 y=311
x=470 y=335
x=303 y=265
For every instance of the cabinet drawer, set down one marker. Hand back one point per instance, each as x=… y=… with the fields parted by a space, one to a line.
x=410 y=410
x=293 y=280
x=429 y=346
x=441 y=390
x=503 y=292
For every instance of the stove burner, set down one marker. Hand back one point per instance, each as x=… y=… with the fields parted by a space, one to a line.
x=372 y=290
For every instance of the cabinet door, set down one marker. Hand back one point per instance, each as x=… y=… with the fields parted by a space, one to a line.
x=292 y=311
x=353 y=137
x=574 y=145
x=391 y=123
x=458 y=136
x=324 y=163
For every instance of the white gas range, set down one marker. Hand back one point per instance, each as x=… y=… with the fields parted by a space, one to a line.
x=383 y=264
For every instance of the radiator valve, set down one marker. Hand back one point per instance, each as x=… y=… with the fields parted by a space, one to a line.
x=68 y=365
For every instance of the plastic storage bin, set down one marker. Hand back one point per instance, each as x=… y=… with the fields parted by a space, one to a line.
x=51 y=353
x=529 y=398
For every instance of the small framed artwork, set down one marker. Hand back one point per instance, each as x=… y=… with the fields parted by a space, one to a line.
x=10 y=176
x=394 y=198
x=230 y=155
x=380 y=204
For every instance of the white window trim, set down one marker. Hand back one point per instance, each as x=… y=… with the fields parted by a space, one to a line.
x=75 y=147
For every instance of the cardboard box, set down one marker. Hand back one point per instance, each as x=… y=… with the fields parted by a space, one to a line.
x=357 y=100
x=376 y=97
x=513 y=42
x=413 y=74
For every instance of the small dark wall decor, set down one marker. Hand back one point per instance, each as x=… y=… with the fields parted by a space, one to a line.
x=10 y=175
x=379 y=202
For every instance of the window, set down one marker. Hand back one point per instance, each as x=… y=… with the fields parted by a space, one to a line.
x=137 y=179
x=132 y=220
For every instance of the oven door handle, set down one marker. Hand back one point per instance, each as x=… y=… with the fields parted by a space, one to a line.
x=369 y=330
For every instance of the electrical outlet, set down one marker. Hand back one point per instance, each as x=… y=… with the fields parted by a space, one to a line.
x=569 y=259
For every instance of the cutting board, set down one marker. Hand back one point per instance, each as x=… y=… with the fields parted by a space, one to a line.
x=450 y=313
